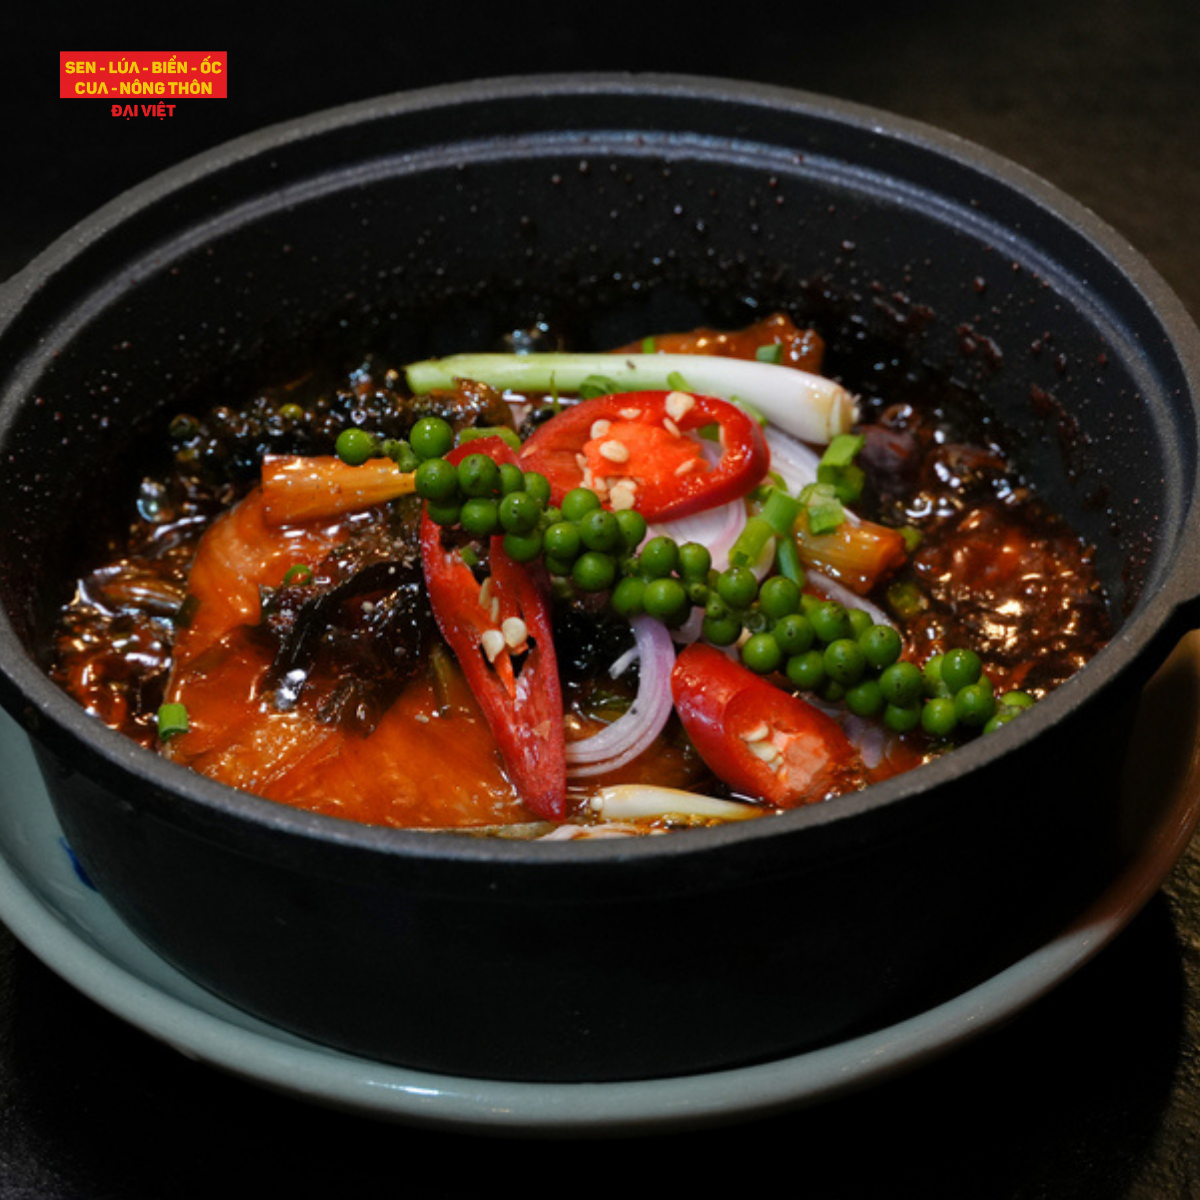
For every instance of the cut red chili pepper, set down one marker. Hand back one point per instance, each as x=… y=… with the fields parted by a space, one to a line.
x=634 y=449
x=500 y=633
x=760 y=740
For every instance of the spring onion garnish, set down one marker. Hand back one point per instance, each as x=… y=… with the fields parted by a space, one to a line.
x=808 y=406
x=822 y=508
x=172 y=720
x=299 y=574
x=838 y=469
x=775 y=519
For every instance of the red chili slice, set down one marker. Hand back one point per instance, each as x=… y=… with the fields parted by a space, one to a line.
x=760 y=740
x=500 y=633
x=634 y=449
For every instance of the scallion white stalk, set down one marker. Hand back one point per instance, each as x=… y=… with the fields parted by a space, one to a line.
x=808 y=406
x=641 y=801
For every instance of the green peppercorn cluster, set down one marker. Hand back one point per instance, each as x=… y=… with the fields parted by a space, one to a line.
x=959 y=695
x=832 y=650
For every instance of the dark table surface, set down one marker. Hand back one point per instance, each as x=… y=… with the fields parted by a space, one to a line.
x=1094 y=1091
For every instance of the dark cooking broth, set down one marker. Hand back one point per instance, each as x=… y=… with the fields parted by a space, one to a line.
x=339 y=693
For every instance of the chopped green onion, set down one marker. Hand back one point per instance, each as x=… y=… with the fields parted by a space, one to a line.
x=648 y=345
x=822 y=508
x=843 y=449
x=838 y=469
x=751 y=543
x=787 y=560
x=780 y=510
x=172 y=720
x=300 y=573
x=770 y=354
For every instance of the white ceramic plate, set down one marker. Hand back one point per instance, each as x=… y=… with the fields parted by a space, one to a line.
x=69 y=927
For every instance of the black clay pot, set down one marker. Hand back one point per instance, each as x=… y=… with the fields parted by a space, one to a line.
x=432 y=222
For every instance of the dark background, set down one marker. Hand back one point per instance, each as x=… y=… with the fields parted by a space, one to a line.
x=1091 y=1093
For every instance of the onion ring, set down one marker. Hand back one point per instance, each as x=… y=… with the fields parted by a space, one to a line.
x=636 y=729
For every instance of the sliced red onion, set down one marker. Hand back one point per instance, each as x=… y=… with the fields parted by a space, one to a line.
x=792 y=460
x=691 y=629
x=869 y=738
x=636 y=729
x=717 y=528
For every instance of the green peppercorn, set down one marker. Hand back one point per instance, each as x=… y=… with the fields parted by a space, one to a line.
x=901 y=718
x=975 y=703
x=695 y=561
x=931 y=675
x=443 y=512
x=512 y=478
x=794 y=633
x=830 y=621
x=1003 y=714
x=665 y=598
x=807 y=670
x=354 y=446
x=431 y=437
x=865 y=698
x=761 y=653
x=902 y=684
x=627 y=596
x=881 y=644
x=519 y=513
x=478 y=476
x=844 y=661
x=737 y=586
x=960 y=667
x=593 y=571
x=778 y=597
x=721 y=630
x=598 y=530
x=578 y=502
x=538 y=486
x=658 y=557
x=436 y=480
x=480 y=517
x=632 y=527
x=562 y=540
x=938 y=717
x=523 y=547
x=860 y=621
